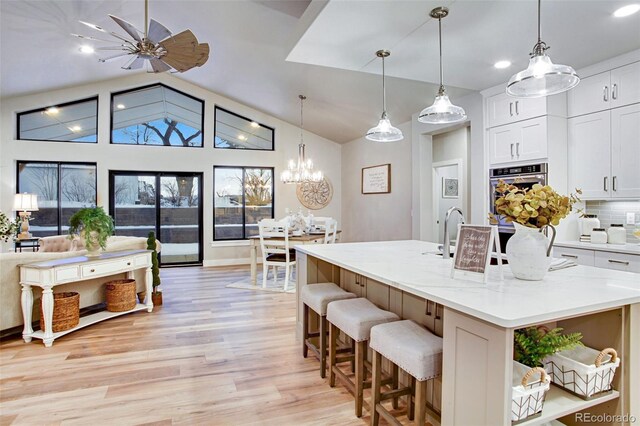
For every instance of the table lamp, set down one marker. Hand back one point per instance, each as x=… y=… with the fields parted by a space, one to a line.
x=25 y=204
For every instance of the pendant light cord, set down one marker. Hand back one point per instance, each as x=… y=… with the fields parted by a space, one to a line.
x=384 y=92
x=440 y=46
x=539 y=20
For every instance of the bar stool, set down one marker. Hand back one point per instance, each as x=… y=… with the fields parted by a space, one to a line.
x=414 y=349
x=354 y=317
x=316 y=297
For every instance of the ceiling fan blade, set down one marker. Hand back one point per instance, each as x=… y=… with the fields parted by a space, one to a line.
x=121 y=47
x=158 y=65
x=130 y=29
x=84 y=37
x=203 y=51
x=134 y=64
x=183 y=59
x=157 y=31
x=108 y=58
x=94 y=26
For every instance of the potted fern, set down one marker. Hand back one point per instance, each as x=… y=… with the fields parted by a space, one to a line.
x=94 y=226
x=533 y=344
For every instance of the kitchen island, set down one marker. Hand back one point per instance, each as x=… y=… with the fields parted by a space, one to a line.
x=477 y=321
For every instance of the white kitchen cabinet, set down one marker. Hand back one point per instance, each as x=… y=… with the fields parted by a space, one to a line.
x=618 y=261
x=581 y=257
x=505 y=109
x=590 y=154
x=625 y=152
x=522 y=141
x=611 y=89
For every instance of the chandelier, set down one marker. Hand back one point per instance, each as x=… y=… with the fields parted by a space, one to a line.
x=301 y=170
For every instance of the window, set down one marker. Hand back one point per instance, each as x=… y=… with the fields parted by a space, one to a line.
x=156 y=115
x=70 y=122
x=62 y=188
x=233 y=131
x=243 y=196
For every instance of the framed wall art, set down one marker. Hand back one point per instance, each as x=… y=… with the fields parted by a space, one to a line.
x=449 y=187
x=376 y=179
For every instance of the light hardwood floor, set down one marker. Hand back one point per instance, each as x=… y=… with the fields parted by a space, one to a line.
x=211 y=355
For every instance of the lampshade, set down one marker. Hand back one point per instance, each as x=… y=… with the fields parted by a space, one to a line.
x=25 y=202
x=384 y=132
x=542 y=78
x=442 y=111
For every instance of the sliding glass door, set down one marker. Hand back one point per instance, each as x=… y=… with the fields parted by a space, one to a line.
x=170 y=204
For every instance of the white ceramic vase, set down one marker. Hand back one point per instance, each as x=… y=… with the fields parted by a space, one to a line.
x=91 y=244
x=528 y=253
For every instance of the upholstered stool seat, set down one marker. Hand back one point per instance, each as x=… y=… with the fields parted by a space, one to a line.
x=316 y=297
x=414 y=349
x=355 y=318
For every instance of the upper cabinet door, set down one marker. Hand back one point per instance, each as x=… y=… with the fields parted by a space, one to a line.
x=502 y=144
x=532 y=143
x=625 y=85
x=591 y=95
x=504 y=109
x=625 y=152
x=590 y=155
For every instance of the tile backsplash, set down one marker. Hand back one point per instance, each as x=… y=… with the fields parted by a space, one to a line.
x=615 y=212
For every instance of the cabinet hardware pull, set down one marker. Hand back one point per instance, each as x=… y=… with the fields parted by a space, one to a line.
x=572 y=256
x=605 y=94
x=437 y=314
x=614 y=182
x=517 y=113
x=428 y=311
x=606 y=188
x=128 y=263
x=512 y=151
x=92 y=270
x=517 y=146
x=614 y=91
x=511 y=109
x=618 y=261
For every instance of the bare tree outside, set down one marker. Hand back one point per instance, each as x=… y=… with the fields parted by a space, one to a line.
x=45 y=179
x=78 y=187
x=257 y=187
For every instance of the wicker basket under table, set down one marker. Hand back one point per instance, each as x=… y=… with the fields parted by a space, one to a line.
x=66 y=312
x=121 y=295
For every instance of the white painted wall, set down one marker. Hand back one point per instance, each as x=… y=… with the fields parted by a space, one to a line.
x=377 y=217
x=325 y=153
x=451 y=146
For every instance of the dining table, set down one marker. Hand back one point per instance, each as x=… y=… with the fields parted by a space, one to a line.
x=306 y=238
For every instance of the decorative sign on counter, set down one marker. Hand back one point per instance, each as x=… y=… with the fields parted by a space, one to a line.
x=376 y=179
x=473 y=249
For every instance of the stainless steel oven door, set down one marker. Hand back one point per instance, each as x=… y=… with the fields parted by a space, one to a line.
x=521 y=181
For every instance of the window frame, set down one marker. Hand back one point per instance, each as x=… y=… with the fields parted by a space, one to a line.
x=79 y=101
x=135 y=89
x=59 y=164
x=215 y=130
x=244 y=217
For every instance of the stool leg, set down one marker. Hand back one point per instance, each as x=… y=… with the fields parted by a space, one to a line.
x=421 y=401
x=323 y=346
x=361 y=351
x=410 y=401
x=353 y=351
x=305 y=329
x=394 y=383
x=333 y=336
x=375 y=387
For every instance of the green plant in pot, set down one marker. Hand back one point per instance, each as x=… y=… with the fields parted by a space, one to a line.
x=156 y=295
x=531 y=345
x=94 y=226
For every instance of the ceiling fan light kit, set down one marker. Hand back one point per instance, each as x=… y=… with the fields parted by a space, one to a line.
x=542 y=77
x=384 y=131
x=442 y=111
x=156 y=46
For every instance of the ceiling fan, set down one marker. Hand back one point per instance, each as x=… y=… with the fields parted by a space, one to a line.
x=157 y=45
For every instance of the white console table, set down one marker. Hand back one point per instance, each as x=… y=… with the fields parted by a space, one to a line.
x=63 y=271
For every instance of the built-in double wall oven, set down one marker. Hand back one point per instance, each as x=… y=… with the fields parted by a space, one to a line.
x=521 y=176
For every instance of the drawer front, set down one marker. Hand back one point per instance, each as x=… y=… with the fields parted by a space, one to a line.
x=618 y=261
x=142 y=260
x=67 y=274
x=581 y=257
x=106 y=268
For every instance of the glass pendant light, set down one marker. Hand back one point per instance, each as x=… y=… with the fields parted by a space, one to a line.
x=301 y=170
x=542 y=77
x=384 y=131
x=442 y=111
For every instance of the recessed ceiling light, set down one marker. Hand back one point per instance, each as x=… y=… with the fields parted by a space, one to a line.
x=87 y=49
x=52 y=110
x=254 y=125
x=242 y=137
x=120 y=106
x=502 y=64
x=626 y=10
x=75 y=128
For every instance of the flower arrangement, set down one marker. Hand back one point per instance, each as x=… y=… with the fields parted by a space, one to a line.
x=535 y=207
x=8 y=227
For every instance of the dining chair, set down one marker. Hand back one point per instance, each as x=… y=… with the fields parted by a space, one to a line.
x=276 y=252
x=330 y=231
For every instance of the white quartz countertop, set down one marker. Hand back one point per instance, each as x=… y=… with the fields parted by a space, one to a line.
x=614 y=248
x=412 y=266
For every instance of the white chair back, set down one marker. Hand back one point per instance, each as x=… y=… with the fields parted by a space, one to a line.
x=330 y=231
x=274 y=238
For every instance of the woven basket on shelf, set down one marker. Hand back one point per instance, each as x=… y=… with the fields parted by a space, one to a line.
x=121 y=295
x=66 y=312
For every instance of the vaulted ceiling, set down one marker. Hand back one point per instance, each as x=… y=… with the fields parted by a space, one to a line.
x=264 y=53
